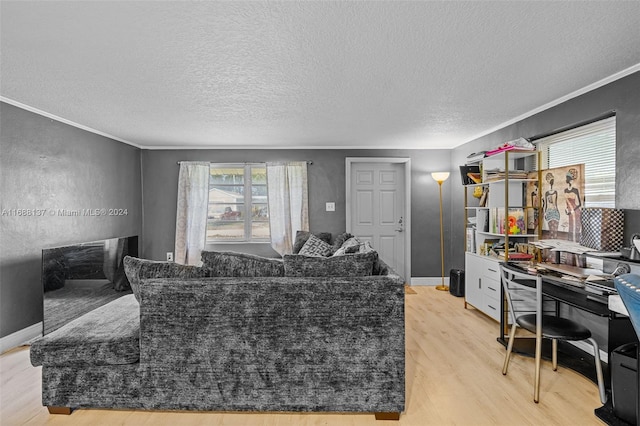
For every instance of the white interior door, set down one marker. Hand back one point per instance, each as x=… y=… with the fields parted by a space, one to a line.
x=376 y=210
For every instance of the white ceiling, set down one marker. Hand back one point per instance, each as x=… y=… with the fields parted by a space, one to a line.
x=308 y=74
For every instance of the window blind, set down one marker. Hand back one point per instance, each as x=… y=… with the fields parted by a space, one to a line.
x=594 y=145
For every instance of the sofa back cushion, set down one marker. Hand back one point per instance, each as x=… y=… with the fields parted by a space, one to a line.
x=139 y=269
x=232 y=264
x=348 y=265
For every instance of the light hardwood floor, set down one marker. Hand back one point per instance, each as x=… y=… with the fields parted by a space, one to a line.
x=453 y=377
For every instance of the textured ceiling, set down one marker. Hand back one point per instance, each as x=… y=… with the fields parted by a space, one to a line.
x=307 y=74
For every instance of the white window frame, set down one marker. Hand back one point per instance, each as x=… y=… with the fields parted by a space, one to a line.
x=247 y=203
x=600 y=162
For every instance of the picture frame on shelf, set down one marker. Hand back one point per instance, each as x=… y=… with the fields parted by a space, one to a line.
x=516 y=221
x=470 y=175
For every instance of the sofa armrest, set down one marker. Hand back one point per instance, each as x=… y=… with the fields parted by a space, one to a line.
x=294 y=342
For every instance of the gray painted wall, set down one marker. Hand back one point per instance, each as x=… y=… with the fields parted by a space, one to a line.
x=45 y=164
x=621 y=96
x=326 y=183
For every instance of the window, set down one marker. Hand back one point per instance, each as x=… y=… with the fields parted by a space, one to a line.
x=594 y=145
x=237 y=203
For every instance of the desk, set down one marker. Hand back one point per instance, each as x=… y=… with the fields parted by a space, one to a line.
x=560 y=291
x=620 y=331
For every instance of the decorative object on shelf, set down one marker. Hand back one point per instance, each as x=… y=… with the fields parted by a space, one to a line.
x=441 y=177
x=470 y=175
x=515 y=221
x=561 y=208
x=602 y=228
x=532 y=201
x=483 y=197
x=477 y=192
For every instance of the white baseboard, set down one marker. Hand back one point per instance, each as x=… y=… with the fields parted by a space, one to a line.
x=20 y=337
x=429 y=280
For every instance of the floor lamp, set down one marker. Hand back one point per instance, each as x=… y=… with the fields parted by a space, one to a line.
x=441 y=177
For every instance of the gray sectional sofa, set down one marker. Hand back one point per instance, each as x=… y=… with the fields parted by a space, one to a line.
x=241 y=333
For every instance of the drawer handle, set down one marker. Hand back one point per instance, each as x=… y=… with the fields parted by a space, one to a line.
x=492 y=307
x=491 y=288
x=492 y=270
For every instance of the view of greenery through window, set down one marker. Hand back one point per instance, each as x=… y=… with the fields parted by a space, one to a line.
x=238 y=208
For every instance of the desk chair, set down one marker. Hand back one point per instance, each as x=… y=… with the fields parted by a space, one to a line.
x=542 y=325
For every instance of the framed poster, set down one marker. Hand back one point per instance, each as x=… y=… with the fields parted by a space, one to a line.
x=562 y=196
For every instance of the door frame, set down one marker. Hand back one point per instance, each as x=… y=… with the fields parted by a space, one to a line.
x=406 y=162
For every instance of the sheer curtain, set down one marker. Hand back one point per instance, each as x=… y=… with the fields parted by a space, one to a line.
x=288 y=203
x=191 y=213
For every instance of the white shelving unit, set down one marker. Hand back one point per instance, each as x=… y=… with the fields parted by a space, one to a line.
x=492 y=223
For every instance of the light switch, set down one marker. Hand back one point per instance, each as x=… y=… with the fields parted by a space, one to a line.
x=331 y=207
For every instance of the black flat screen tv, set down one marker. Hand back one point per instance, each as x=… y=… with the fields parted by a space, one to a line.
x=78 y=278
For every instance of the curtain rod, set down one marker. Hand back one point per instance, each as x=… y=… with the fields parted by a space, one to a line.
x=309 y=162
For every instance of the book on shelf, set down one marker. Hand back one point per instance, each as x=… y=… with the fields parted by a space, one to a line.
x=471 y=239
x=520 y=144
x=513 y=255
x=499 y=174
x=476 y=156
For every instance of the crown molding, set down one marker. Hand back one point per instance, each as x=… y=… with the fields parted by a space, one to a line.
x=610 y=79
x=65 y=121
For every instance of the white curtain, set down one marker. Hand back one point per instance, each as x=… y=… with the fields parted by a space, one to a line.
x=191 y=214
x=288 y=203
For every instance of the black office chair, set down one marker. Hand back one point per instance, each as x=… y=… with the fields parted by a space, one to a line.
x=544 y=326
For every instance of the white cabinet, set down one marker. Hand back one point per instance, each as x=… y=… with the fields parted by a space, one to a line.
x=482 y=284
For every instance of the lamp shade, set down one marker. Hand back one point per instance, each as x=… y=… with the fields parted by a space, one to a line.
x=440 y=176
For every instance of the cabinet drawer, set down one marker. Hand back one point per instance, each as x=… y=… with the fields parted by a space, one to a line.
x=491 y=307
x=491 y=288
x=491 y=270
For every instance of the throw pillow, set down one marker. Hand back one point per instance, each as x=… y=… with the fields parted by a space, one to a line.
x=350 y=265
x=316 y=247
x=139 y=269
x=232 y=264
x=303 y=236
x=340 y=239
x=365 y=247
x=352 y=245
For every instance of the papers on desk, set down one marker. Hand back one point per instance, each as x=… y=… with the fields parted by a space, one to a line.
x=599 y=277
x=562 y=245
x=572 y=247
x=573 y=271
